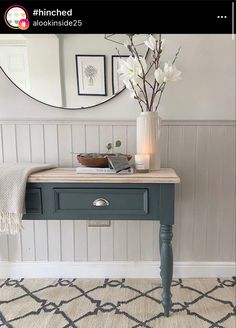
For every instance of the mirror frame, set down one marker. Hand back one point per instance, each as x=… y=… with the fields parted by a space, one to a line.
x=68 y=108
x=57 y=107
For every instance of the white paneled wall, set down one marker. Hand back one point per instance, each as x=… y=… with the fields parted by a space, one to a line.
x=202 y=153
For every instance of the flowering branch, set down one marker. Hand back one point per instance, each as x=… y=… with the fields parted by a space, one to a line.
x=176 y=56
x=135 y=52
x=137 y=97
x=134 y=72
x=156 y=55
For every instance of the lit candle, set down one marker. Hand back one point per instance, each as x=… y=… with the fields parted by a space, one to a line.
x=142 y=163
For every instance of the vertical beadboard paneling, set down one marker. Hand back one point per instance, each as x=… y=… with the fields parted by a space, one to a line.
x=37 y=143
x=51 y=144
x=92 y=138
x=175 y=159
x=131 y=140
x=23 y=143
x=215 y=162
x=120 y=133
x=94 y=233
x=54 y=240
x=27 y=237
x=9 y=143
x=134 y=245
x=105 y=137
x=67 y=240
x=65 y=145
x=187 y=194
x=78 y=140
x=146 y=240
x=107 y=243
x=15 y=248
x=120 y=240
x=164 y=145
x=41 y=240
x=204 y=157
x=3 y=248
x=155 y=236
x=81 y=240
x=94 y=244
x=226 y=242
x=200 y=218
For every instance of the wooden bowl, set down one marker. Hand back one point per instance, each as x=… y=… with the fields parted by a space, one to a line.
x=97 y=161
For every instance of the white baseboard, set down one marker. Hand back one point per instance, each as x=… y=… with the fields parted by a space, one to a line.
x=145 y=269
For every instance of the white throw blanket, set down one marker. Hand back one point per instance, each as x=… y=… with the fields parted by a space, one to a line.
x=13 y=179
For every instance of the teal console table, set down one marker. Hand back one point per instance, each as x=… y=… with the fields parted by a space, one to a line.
x=63 y=194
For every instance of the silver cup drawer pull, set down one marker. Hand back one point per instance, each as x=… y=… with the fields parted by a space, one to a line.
x=100 y=202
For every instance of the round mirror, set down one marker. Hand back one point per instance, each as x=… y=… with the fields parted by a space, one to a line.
x=72 y=71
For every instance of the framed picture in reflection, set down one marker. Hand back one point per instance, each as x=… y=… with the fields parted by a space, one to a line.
x=91 y=75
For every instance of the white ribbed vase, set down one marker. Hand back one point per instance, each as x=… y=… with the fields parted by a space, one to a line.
x=148 y=137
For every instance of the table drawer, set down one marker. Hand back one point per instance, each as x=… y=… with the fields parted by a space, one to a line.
x=33 y=201
x=102 y=201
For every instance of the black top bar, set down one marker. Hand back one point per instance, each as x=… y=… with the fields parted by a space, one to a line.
x=123 y=16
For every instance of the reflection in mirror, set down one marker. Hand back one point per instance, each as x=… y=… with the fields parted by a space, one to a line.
x=65 y=70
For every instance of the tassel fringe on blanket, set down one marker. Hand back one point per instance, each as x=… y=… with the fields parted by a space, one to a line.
x=10 y=223
x=13 y=182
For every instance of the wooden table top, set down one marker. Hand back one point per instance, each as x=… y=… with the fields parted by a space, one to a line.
x=165 y=175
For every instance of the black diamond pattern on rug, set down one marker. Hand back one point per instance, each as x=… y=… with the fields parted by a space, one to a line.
x=116 y=303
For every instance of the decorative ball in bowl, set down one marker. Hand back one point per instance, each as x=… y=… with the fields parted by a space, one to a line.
x=97 y=159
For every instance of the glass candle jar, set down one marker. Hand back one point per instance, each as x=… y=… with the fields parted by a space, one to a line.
x=142 y=163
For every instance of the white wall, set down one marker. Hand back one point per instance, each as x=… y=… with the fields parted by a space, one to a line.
x=38 y=55
x=45 y=83
x=205 y=92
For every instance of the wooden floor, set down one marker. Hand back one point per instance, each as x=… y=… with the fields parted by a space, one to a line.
x=121 y=303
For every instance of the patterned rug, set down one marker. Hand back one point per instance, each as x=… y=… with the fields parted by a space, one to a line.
x=122 y=303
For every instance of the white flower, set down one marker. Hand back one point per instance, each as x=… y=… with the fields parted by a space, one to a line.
x=135 y=73
x=162 y=43
x=135 y=94
x=159 y=75
x=128 y=84
x=171 y=72
x=130 y=69
x=151 y=42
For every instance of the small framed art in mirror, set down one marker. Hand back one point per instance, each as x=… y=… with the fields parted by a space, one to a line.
x=91 y=75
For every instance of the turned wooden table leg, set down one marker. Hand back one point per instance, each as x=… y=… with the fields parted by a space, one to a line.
x=166 y=265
